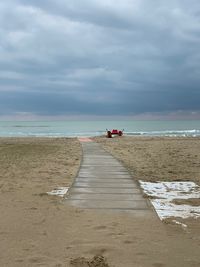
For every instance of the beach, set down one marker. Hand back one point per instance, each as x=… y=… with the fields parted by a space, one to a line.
x=37 y=229
x=157 y=158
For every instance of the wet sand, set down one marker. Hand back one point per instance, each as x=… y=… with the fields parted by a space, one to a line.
x=40 y=230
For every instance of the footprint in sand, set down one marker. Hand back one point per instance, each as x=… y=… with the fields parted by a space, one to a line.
x=128 y=242
x=98 y=251
x=101 y=227
x=158 y=264
x=97 y=261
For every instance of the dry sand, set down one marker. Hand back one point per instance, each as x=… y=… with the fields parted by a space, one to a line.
x=40 y=230
x=157 y=158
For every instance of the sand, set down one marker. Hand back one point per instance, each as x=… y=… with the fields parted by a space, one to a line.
x=41 y=230
x=157 y=158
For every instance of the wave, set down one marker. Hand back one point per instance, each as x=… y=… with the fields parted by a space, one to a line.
x=167 y=133
x=172 y=133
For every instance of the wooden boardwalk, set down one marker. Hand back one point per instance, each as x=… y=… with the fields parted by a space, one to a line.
x=103 y=183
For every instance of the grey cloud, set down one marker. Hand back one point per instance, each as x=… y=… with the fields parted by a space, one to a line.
x=102 y=57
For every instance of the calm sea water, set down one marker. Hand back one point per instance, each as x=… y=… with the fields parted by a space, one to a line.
x=95 y=128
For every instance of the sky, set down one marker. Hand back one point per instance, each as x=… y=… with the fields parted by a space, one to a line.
x=99 y=58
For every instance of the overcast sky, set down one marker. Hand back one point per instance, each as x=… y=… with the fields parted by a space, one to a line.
x=99 y=57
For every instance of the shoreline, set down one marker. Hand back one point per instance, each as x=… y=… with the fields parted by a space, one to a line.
x=101 y=135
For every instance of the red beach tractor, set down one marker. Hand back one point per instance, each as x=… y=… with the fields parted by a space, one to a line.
x=114 y=132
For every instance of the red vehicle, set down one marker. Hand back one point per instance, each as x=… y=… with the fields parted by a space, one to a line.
x=114 y=132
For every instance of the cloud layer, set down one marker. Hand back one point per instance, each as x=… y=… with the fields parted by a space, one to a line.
x=99 y=57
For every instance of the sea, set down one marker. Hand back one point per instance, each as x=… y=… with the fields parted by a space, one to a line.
x=98 y=128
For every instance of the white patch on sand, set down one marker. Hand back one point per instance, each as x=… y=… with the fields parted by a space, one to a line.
x=60 y=191
x=179 y=223
x=164 y=193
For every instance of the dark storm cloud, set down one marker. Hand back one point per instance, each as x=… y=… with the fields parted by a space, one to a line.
x=99 y=57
